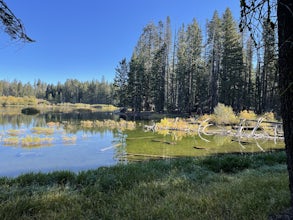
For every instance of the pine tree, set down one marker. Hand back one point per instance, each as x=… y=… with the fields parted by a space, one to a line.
x=215 y=54
x=232 y=75
x=181 y=71
x=172 y=104
x=167 y=55
x=195 y=67
x=120 y=83
x=145 y=50
x=249 y=78
x=189 y=67
x=158 y=74
x=269 y=71
x=135 y=84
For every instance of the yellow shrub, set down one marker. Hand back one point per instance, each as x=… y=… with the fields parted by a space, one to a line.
x=269 y=116
x=165 y=123
x=12 y=100
x=212 y=118
x=249 y=115
x=267 y=127
x=225 y=115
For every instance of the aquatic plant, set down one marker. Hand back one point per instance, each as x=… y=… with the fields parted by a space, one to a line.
x=30 y=141
x=53 y=124
x=126 y=125
x=43 y=130
x=178 y=124
x=87 y=124
x=69 y=139
x=109 y=124
x=14 y=132
x=11 y=141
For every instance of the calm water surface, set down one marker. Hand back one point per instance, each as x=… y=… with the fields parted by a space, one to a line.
x=70 y=149
x=76 y=149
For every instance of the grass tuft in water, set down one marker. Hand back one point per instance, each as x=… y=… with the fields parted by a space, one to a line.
x=43 y=130
x=11 y=141
x=32 y=141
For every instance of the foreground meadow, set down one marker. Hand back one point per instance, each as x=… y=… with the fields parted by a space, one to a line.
x=247 y=186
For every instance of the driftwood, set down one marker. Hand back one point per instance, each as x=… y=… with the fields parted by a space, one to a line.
x=242 y=128
x=264 y=135
x=110 y=147
x=201 y=129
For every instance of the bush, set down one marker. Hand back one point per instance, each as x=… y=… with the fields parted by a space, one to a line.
x=249 y=115
x=269 y=116
x=12 y=100
x=30 y=111
x=224 y=115
x=211 y=118
x=267 y=127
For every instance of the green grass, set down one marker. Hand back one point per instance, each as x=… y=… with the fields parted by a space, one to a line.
x=249 y=186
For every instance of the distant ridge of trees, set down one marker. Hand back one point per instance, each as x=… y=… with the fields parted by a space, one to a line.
x=73 y=91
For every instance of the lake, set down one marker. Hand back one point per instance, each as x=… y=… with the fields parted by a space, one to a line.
x=51 y=142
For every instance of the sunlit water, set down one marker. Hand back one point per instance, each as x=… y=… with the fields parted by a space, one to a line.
x=70 y=149
x=85 y=153
x=76 y=149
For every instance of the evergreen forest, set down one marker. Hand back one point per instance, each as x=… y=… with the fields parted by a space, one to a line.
x=192 y=71
x=72 y=91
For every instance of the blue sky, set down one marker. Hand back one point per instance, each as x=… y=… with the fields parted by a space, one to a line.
x=86 y=39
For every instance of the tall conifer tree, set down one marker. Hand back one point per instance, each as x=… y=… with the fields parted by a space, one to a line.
x=215 y=54
x=232 y=75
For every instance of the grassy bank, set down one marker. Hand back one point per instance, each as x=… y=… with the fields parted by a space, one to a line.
x=217 y=187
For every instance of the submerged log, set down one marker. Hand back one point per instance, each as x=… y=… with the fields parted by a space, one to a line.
x=149 y=155
x=164 y=142
x=199 y=148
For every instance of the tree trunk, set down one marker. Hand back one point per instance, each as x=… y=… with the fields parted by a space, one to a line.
x=285 y=44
